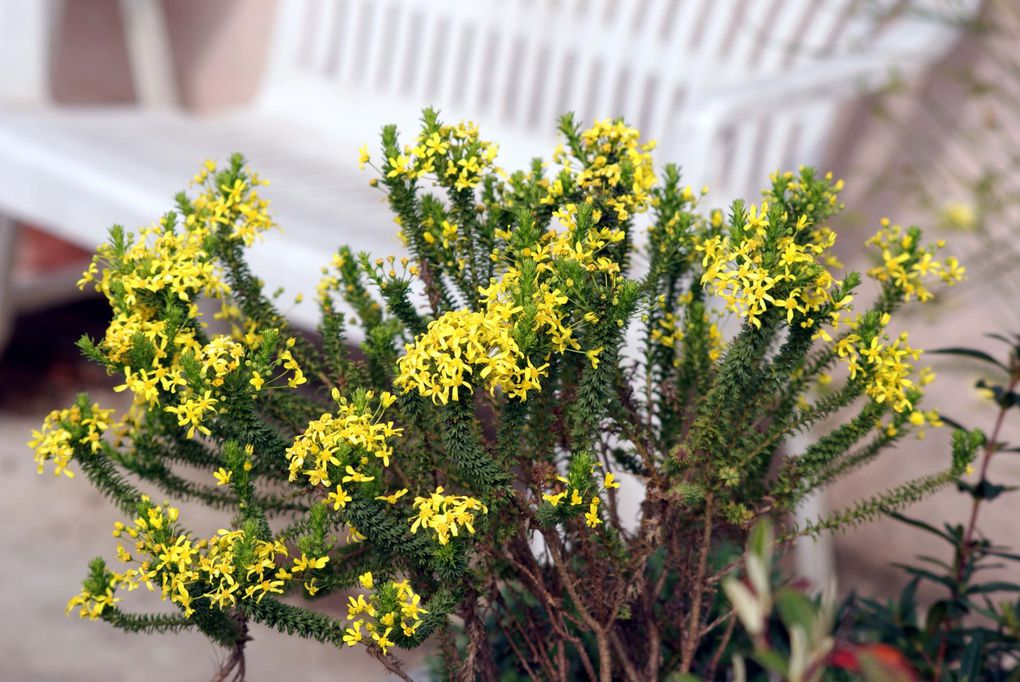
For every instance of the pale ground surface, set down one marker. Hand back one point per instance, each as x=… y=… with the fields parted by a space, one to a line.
x=50 y=528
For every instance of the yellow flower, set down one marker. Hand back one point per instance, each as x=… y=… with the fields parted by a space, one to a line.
x=356 y=476
x=554 y=499
x=352 y=635
x=366 y=580
x=399 y=165
x=192 y=412
x=411 y=608
x=591 y=517
x=358 y=605
x=222 y=476
x=338 y=498
x=304 y=562
x=383 y=641
x=392 y=498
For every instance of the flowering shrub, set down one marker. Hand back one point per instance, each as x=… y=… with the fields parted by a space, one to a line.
x=972 y=631
x=466 y=467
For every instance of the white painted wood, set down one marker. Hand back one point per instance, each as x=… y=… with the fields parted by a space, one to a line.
x=814 y=558
x=27 y=42
x=149 y=54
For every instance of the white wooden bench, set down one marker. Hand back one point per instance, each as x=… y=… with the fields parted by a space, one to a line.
x=732 y=90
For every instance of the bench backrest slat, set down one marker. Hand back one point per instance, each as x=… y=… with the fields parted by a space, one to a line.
x=597 y=56
x=515 y=65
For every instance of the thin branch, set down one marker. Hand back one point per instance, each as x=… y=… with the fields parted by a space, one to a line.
x=692 y=633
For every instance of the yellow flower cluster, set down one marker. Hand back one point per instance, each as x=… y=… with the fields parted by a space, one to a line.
x=755 y=270
x=237 y=205
x=333 y=443
x=171 y=262
x=390 y=605
x=591 y=517
x=224 y=568
x=286 y=359
x=465 y=344
x=308 y=565
x=62 y=430
x=905 y=263
x=221 y=356
x=916 y=419
x=547 y=315
x=329 y=281
x=446 y=514
x=669 y=328
x=576 y=499
x=464 y=349
x=92 y=604
x=160 y=261
x=620 y=170
x=217 y=359
x=453 y=152
x=884 y=364
x=444 y=234
x=586 y=249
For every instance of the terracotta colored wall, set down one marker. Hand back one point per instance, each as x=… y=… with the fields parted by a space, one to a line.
x=219 y=51
x=90 y=58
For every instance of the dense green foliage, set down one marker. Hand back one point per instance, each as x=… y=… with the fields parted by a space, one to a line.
x=462 y=471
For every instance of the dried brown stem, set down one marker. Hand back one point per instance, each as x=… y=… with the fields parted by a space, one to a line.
x=723 y=643
x=629 y=671
x=390 y=663
x=601 y=640
x=233 y=669
x=692 y=633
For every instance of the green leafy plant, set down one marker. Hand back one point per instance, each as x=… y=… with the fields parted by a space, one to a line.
x=460 y=478
x=795 y=637
x=972 y=631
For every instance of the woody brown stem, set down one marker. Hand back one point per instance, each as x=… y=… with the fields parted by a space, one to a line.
x=692 y=633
